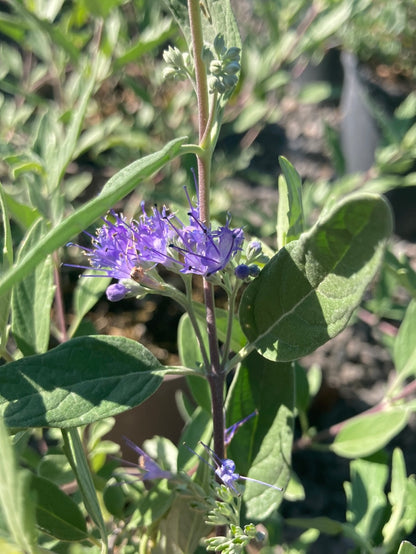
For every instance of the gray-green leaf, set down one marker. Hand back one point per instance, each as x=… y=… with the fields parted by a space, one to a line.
x=79 y=382
x=308 y=291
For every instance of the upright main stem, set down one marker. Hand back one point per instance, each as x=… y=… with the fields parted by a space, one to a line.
x=215 y=375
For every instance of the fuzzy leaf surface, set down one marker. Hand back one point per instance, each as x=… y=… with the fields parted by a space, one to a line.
x=78 y=382
x=308 y=291
x=263 y=445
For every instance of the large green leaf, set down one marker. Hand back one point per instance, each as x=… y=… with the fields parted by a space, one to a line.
x=117 y=188
x=78 y=382
x=32 y=300
x=308 y=291
x=266 y=448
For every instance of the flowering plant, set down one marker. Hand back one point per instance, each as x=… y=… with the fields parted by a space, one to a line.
x=284 y=299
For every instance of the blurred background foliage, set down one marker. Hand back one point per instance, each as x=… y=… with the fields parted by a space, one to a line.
x=50 y=49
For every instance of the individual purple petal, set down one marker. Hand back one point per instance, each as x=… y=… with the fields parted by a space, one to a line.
x=148 y=468
x=231 y=431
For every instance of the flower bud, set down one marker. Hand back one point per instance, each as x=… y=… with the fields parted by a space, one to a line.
x=219 y=45
x=233 y=54
x=116 y=292
x=242 y=271
x=232 y=68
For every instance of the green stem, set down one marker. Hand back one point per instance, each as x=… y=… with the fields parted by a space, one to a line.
x=230 y=320
x=195 y=325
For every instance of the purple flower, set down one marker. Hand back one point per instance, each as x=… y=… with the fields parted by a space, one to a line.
x=205 y=251
x=148 y=468
x=225 y=470
x=127 y=250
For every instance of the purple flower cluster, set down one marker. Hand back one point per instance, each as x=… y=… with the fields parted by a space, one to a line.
x=127 y=250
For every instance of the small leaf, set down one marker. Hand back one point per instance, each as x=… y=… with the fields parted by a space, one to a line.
x=80 y=381
x=397 y=498
x=404 y=345
x=56 y=513
x=190 y=355
x=308 y=291
x=217 y=18
x=323 y=524
x=406 y=547
x=6 y=262
x=86 y=295
x=32 y=299
x=76 y=455
x=17 y=505
x=366 y=434
x=366 y=501
x=290 y=221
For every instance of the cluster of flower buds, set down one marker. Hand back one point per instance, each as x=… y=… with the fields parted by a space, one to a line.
x=253 y=257
x=179 y=64
x=223 y=66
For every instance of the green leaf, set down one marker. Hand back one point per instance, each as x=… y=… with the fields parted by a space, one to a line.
x=6 y=262
x=190 y=355
x=86 y=295
x=182 y=529
x=56 y=513
x=269 y=387
x=366 y=501
x=406 y=547
x=290 y=221
x=217 y=18
x=199 y=428
x=308 y=291
x=397 y=498
x=116 y=188
x=404 y=354
x=156 y=37
x=24 y=215
x=366 y=434
x=17 y=505
x=323 y=524
x=76 y=455
x=80 y=381
x=154 y=505
x=32 y=299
